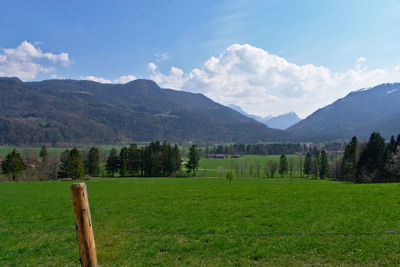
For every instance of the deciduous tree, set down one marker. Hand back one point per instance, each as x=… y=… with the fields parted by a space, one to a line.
x=270 y=168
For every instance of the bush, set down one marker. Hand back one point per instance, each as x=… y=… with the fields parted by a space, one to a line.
x=230 y=175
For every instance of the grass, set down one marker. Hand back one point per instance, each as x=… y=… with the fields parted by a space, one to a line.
x=58 y=150
x=173 y=206
x=209 y=167
x=5 y=150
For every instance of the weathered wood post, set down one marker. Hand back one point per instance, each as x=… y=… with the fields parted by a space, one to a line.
x=84 y=230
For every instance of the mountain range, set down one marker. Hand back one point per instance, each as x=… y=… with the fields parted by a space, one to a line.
x=65 y=112
x=281 y=122
x=359 y=113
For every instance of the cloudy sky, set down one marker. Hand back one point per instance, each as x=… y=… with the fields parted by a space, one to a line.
x=269 y=57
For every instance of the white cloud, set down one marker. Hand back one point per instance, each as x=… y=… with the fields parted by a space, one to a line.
x=24 y=61
x=162 y=57
x=397 y=70
x=62 y=57
x=122 y=79
x=359 y=64
x=56 y=76
x=264 y=84
x=361 y=60
x=152 y=67
x=95 y=79
x=125 y=79
x=174 y=80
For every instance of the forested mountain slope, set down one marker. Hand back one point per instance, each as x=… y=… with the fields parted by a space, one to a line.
x=359 y=113
x=83 y=112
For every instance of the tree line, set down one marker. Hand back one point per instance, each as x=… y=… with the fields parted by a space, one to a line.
x=154 y=160
x=376 y=161
x=373 y=162
x=157 y=160
x=255 y=149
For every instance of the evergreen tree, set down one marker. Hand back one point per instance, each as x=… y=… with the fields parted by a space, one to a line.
x=65 y=165
x=44 y=165
x=392 y=145
x=315 y=166
x=92 y=164
x=77 y=169
x=44 y=156
x=398 y=140
x=307 y=164
x=194 y=160
x=350 y=160
x=13 y=164
x=152 y=159
x=372 y=164
x=112 y=164
x=177 y=162
x=134 y=159
x=283 y=165
x=167 y=159
x=324 y=165
x=123 y=158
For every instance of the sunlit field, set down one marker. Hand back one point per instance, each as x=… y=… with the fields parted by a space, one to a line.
x=249 y=164
x=204 y=221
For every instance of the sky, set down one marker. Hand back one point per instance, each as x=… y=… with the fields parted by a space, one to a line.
x=268 y=57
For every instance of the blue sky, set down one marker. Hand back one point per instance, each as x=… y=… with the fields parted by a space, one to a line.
x=338 y=46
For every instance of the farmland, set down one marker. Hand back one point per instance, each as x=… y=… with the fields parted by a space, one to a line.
x=209 y=167
x=203 y=221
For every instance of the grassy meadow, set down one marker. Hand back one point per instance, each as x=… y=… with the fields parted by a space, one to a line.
x=210 y=167
x=159 y=221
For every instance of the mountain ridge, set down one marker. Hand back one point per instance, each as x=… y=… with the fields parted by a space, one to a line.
x=359 y=113
x=281 y=122
x=79 y=111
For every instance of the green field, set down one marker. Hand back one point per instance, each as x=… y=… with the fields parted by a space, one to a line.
x=5 y=150
x=203 y=221
x=52 y=150
x=58 y=150
x=209 y=167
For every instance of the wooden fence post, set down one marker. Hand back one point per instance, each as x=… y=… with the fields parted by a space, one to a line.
x=84 y=230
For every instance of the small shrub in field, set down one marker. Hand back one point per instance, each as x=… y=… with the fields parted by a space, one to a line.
x=230 y=176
